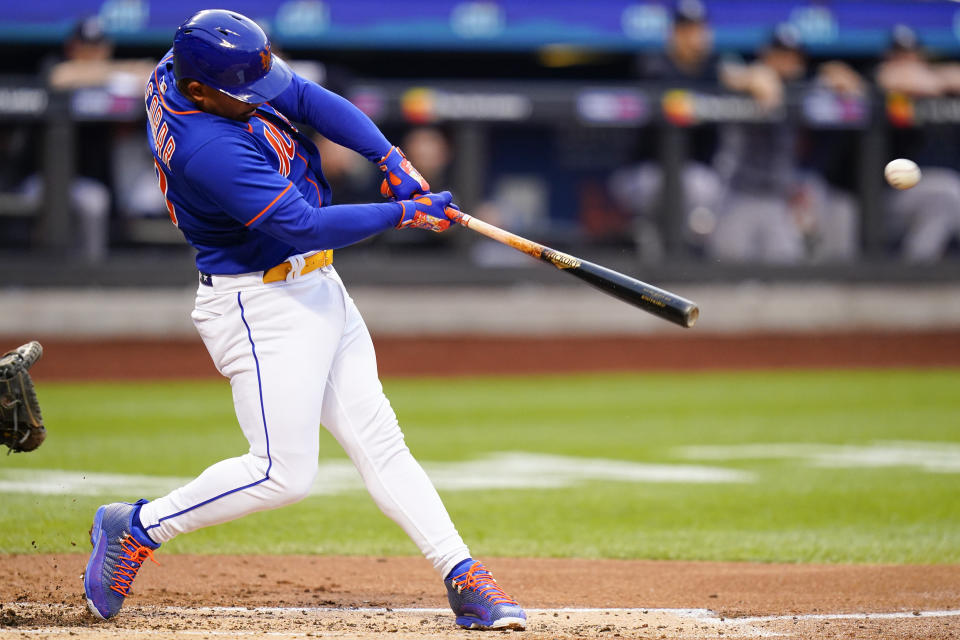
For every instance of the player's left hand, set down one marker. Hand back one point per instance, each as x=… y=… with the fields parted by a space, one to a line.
x=431 y=211
x=401 y=181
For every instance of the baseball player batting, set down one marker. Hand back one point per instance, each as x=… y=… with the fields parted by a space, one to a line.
x=246 y=189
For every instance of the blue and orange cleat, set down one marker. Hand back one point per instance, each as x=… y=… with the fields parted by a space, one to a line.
x=119 y=548
x=479 y=602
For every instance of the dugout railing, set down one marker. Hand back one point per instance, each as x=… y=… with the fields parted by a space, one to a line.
x=473 y=113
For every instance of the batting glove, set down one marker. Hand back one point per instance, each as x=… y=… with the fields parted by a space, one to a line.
x=431 y=211
x=401 y=181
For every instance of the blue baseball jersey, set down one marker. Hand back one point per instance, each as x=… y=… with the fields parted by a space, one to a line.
x=249 y=194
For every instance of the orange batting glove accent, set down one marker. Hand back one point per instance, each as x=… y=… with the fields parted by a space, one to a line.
x=427 y=211
x=401 y=181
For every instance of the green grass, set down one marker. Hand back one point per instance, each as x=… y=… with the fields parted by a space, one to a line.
x=793 y=512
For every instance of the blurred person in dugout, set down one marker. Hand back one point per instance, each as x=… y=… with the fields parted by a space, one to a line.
x=688 y=63
x=88 y=62
x=516 y=202
x=772 y=211
x=90 y=65
x=351 y=177
x=429 y=147
x=922 y=221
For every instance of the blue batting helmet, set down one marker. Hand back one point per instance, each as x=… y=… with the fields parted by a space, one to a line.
x=231 y=53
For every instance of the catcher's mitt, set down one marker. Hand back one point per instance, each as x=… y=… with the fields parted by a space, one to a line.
x=21 y=425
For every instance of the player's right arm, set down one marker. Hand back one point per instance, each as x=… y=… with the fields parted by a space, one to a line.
x=232 y=174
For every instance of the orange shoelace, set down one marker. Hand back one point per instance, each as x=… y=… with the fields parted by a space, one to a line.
x=480 y=580
x=129 y=563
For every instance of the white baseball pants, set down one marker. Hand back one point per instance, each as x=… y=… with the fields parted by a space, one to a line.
x=298 y=354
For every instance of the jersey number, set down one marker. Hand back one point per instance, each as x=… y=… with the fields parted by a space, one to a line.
x=162 y=181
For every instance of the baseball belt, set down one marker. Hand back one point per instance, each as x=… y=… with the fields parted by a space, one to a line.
x=282 y=271
x=311 y=263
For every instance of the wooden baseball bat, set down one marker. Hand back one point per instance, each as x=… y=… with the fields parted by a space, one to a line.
x=651 y=299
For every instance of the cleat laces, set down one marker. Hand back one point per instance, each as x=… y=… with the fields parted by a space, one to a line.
x=478 y=579
x=132 y=556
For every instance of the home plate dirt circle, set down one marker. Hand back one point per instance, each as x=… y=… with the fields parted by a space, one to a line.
x=359 y=597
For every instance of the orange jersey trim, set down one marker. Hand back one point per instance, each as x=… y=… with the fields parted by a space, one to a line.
x=267 y=208
x=315 y=185
x=319 y=203
x=164 y=102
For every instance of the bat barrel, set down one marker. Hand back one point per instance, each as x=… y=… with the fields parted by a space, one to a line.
x=659 y=302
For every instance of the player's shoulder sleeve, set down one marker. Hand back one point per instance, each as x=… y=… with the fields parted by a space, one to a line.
x=231 y=172
x=335 y=117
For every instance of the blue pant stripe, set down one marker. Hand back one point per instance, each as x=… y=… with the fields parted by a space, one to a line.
x=266 y=433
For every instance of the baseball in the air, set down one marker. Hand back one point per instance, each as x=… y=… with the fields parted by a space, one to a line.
x=902 y=173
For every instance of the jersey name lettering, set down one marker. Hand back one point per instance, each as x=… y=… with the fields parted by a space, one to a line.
x=158 y=128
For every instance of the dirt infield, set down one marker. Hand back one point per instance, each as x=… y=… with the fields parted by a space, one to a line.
x=484 y=355
x=287 y=596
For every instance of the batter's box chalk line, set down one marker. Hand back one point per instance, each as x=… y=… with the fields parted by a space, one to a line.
x=702 y=616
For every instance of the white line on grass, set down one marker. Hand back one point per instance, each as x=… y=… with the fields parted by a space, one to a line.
x=932 y=457
x=502 y=470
